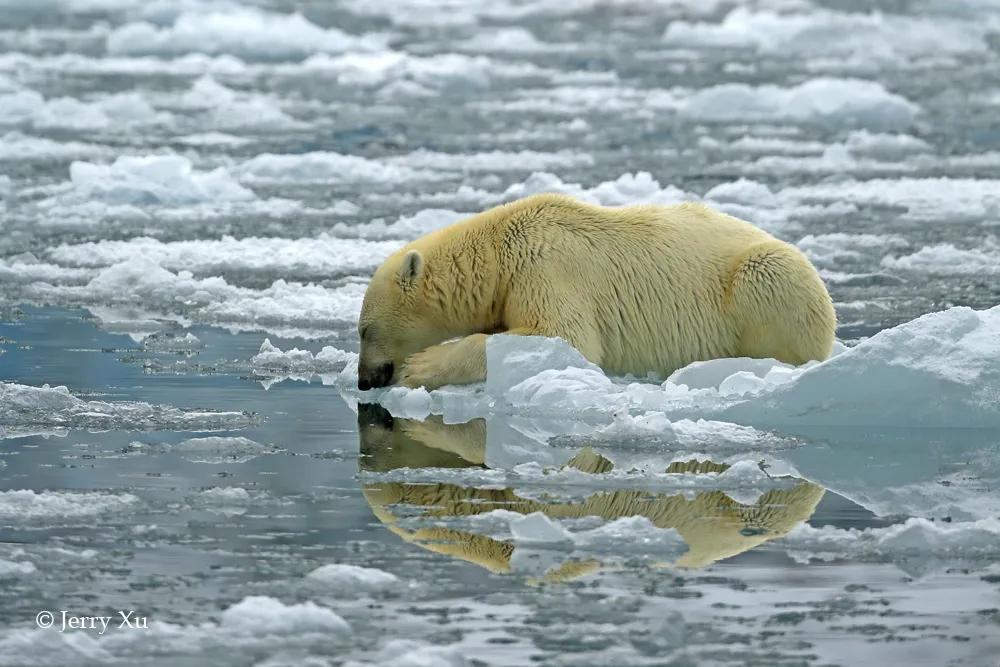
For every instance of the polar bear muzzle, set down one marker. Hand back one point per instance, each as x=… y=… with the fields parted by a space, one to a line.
x=372 y=378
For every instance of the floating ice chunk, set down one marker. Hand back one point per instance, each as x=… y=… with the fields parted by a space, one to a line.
x=328 y=167
x=213 y=449
x=829 y=250
x=712 y=374
x=537 y=527
x=21 y=405
x=940 y=370
x=318 y=258
x=507 y=40
x=28 y=506
x=230 y=500
x=17 y=147
x=492 y=161
x=945 y=259
x=638 y=532
x=873 y=36
x=938 y=200
x=327 y=360
x=162 y=342
x=10 y=569
x=413 y=75
x=743 y=191
x=913 y=545
x=28 y=107
x=412 y=653
x=406 y=227
x=27 y=268
x=228 y=109
x=407 y=403
x=821 y=100
x=245 y=32
x=261 y=615
x=638 y=188
x=889 y=146
x=212 y=300
x=511 y=360
x=153 y=179
x=289 y=304
x=353 y=580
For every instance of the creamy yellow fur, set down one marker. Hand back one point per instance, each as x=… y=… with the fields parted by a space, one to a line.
x=635 y=289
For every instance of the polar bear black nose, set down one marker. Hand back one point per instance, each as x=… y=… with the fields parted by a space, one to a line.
x=369 y=378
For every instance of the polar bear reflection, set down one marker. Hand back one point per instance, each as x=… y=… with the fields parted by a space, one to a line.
x=713 y=525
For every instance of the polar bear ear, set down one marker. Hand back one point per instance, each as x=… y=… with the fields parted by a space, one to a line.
x=411 y=268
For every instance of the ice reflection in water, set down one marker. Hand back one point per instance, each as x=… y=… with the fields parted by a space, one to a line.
x=712 y=525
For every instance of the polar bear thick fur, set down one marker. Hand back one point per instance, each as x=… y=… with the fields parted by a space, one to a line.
x=635 y=289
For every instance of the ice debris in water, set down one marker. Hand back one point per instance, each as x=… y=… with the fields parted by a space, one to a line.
x=352 y=580
x=27 y=107
x=320 y=257
x=10 y=569
x=271 y=360
x=536 y=527
x=153 y=179
x=245 y=32
x=212 y=449
x=538 y=530
x=913 y=544
x=56 y=407
x=875 y=37
x=142 y=281
x=628 y=189
x=405 y=227
x=26 y=505
x=228 y=501
x=261 y=615
x=820 y=100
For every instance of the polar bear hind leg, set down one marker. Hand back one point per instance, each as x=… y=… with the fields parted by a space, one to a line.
x=780 y=306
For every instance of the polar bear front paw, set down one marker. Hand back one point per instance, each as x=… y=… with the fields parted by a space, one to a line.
x=423 y=369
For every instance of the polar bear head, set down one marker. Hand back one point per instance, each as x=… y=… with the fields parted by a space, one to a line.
x=396 y=319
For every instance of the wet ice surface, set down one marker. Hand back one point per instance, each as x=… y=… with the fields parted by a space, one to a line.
x=192 y=195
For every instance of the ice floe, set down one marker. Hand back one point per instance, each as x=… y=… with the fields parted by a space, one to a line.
x=23 y=406
x=328 y=167
x=820 y=100
x=27 y=506
x=271 y=360
x=942 y=200
x=318 y=258
x=246 y=32
x=944 y=259
x=405 y=227
x=26 y=107
x=395 y=73
x=914 y=545
x=227 y=109
x=182 y=297
x=213 y=450
x=352 y=580
x=637 y=188
x=873 y=37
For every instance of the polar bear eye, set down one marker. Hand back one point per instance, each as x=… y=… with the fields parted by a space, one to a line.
x=365 y=330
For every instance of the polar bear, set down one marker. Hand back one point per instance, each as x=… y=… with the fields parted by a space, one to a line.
x=636 y=289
